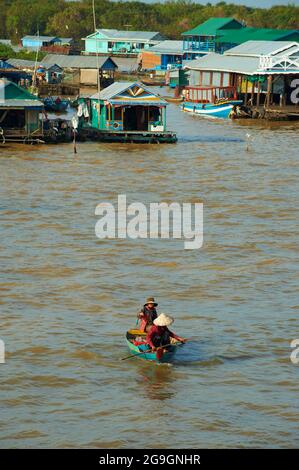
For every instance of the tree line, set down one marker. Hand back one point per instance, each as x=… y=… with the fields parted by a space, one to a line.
x=171 y=18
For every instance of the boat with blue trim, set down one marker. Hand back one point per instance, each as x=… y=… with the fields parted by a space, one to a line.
x=55 y=105
x=204 y=101
x=218 y=110
x=136 y=343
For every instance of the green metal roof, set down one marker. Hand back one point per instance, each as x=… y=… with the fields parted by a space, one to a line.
x=211 y=26
x=11 y=91
x=238 y=36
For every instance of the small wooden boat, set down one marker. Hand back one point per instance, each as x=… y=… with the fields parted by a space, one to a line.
x=219 y=110
x=172 y=99
x=55 y=105
x=153 y=82
x=134 y=338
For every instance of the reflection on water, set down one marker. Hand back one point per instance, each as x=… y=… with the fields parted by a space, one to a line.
x=157 y=381
x=67 y=298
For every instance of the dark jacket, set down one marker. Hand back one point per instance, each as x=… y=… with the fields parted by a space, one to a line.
x=147 y=317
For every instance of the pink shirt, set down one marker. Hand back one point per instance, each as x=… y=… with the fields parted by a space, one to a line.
x=159 y=331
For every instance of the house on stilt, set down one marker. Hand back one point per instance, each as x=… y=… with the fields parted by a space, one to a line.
x=19 y=114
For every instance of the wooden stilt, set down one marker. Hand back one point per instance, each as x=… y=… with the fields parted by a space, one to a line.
x=258 y=94
x=246 y=92
x=252 y=93
x=269 y=88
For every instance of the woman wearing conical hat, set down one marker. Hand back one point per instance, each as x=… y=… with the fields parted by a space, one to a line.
x=159 y=335
x=148 y=314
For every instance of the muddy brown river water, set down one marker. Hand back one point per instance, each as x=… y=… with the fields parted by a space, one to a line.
x=67 y=298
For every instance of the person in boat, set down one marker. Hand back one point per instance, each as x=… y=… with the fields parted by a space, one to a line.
x=148 y=314
x=159 y=335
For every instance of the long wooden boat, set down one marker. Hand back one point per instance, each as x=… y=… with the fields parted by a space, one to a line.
x=219 y=110
x=136 y=349
x=172 y=99
x=153 y=82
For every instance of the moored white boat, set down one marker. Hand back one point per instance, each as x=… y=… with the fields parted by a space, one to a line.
x=218 y=110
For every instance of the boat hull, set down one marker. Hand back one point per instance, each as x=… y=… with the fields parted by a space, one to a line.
x=221 y=111
x=138 y=137
x=52 y=106
x=149 y=356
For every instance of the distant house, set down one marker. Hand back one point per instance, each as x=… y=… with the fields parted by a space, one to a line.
x=203 y=38
x=163 y=55
x=50 y=73
x=19 y=112
x=8 y=71
x=221 y=34
x=51 y=44
x=263 y=71
x=87 y=67
x=37 y=42
x=105 y=41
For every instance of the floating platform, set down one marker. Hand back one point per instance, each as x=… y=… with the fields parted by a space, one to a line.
x=138 y=137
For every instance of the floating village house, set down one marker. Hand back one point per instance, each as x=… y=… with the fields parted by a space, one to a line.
x=128 y=112
x=164 y=55
x=113 y=41
x=221 y=34
x=48 y=44
x=13 y=74
x=19 y=113
x=263 y=72
x=85 y=69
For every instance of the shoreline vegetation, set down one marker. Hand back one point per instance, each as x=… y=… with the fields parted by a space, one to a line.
x=171 y=18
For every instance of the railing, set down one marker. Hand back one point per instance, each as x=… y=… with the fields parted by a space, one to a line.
x=284 y=62
x=201 y=46
x=211 y=94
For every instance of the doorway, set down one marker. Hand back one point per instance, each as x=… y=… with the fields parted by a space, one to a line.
x=135 y=118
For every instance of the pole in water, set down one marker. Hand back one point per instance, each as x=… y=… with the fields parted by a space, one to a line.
x=75 y=127
x=74 y=141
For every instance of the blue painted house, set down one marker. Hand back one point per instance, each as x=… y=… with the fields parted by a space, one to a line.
x=167 y=54
x=37 y=42
x=105 y=41
x=220 y=34
x=203 y=38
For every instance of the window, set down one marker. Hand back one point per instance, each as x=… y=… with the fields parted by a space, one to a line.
x=118 y=114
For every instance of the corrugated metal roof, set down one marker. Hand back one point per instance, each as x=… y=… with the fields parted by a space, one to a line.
x=119 y=87
x=239 y=36
x=76 y=61
x=21 y=63
x=258 y=48
x=112 y=90
x=167 y=47
x=40 y=38
x=225 y=63
x=115 y=35
x=246 y=65
x=210 y=27
x=30 y=64
x=11 y=103
x=126 y=64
